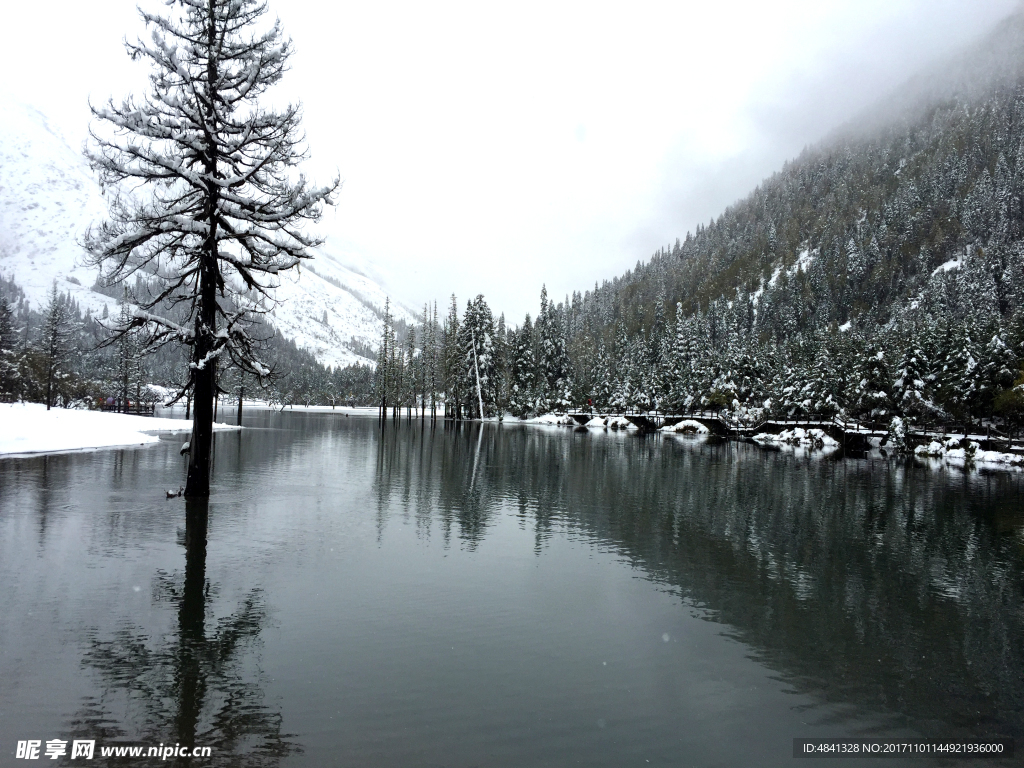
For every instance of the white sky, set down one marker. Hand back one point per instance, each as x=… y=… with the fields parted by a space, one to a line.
x=491 y=147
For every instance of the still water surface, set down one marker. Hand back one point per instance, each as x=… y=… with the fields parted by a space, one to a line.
x=504 y=596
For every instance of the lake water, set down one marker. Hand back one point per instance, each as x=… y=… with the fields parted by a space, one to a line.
x=504 y=595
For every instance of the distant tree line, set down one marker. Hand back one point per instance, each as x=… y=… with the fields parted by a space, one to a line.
x=64 y=356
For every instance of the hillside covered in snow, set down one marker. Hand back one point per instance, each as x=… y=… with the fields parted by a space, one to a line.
x=48 y=197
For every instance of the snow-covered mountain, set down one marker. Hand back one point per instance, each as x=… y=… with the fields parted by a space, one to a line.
x=48 y=197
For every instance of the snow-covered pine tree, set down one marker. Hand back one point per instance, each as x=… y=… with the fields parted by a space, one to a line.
x=426 y=358
x=522 y=391
x=54 y=345
x=621 y=395
x=501 y=367
x=10 y=354
x=873 y=396
x=225 y=211
x=476 y=340
x=128 y=369
x=383 y=372
x=958 y=374
x=911 y=390
x=451 y=362
x=999 y=368
x=412 y=377
x=603 y=379
x=553 y=360
x=435 y=378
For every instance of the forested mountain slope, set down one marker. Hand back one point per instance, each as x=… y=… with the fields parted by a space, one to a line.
x=881 y=272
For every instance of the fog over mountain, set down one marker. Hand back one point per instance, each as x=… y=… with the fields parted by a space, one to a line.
x=491 y=149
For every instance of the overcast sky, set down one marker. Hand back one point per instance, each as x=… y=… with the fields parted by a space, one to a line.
x=491 y=147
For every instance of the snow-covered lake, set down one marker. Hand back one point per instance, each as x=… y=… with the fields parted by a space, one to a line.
x=504 y=595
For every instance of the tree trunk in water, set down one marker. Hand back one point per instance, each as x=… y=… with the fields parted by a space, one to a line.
x=241 y=394
x=205 y=385
x=198 y=481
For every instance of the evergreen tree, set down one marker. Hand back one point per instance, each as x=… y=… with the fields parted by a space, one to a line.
x=553 y=359
x=522 y=392
x=451 y=362
x=476 y=340
x=10 y=355
x=127 y=365
x=384 y=375
x=958 y=374
x=873 y=396
x=911 y=390
x=54 y=346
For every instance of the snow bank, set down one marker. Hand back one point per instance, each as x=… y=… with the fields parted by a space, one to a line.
x=814 y=438
x=621 y=422
x=553 y=418
x=30 y=428
x=688 y=426
x=597 y=421
x=963 y=452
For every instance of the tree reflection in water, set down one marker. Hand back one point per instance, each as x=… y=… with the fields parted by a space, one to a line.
x=199 y=686
x=882 y=585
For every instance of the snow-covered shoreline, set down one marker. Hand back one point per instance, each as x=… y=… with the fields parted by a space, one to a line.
x=813 y=438
x=28 y=428
x=964 y=452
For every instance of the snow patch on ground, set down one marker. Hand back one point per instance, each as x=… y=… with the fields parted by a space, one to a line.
x=597 y=421
x=30 y=428
x=813 y=438
x=949 y=266
x=688 y=426
x=803 y=261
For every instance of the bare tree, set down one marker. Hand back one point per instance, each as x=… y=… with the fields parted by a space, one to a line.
x=208 y=205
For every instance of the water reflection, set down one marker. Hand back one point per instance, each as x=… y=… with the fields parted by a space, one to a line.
x=881 y=585
x=197 y=685
x=451 y=593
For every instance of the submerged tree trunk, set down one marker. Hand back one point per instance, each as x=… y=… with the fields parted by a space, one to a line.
x=198 y=481
x=204 y=372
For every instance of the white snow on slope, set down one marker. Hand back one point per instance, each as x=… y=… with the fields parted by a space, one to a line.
x=804 y=259
x=308 y=292
x=949 y=266
x=30 y=428
x=49 y=196
x=47 y=199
